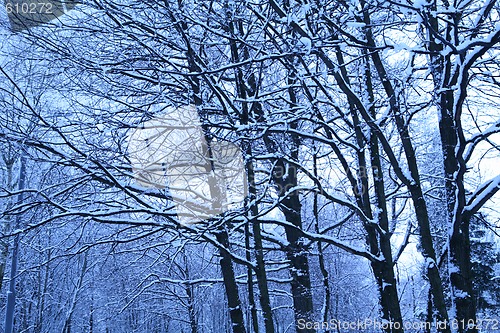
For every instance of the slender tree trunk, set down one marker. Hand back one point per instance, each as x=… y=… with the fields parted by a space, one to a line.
x=41 y=305
x=389 y=299
x=233 y=298
x=91 y=316
x=446 y=77
x=11 y=294
x=221 y=234
x=251 y=298
x=9 y=161
x=325 y=311
x=378 y=241
x=246 y=114
x=74 y=300
x=286 y=179
x=193 y=322
x=260 y=269
x=460 y=271
x=297 y=255
x=461 y=278
x=414 y=185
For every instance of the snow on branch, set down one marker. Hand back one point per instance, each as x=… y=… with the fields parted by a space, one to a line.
x=484 y=193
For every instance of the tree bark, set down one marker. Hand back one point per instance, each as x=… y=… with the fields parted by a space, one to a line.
x=9 y=158
x=249 y=90
x=296 y=253
x=389 y=298
x=233 y=298
x=450 y=100
x=11 y=294
x=221 y=234
x=251 y=298
x=325 y=312
x=413 y=184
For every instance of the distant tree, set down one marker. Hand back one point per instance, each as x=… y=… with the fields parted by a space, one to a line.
x=485 y=260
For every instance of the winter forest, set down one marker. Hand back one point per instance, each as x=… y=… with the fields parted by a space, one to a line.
x=239 y=166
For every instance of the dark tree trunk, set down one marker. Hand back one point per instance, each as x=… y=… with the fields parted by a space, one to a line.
x=260 y=270
x=413 y=184
x=249 y=89
x=226 y=263
x=384 y=271
x=321 y=257
x=251 y=297
x=446 y=77
x=296 y=253
x=460 y=274
x=378 y=242
x=193 y=322
x=233 y=297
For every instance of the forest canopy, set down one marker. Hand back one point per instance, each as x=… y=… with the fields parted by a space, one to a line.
x=250 y=166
